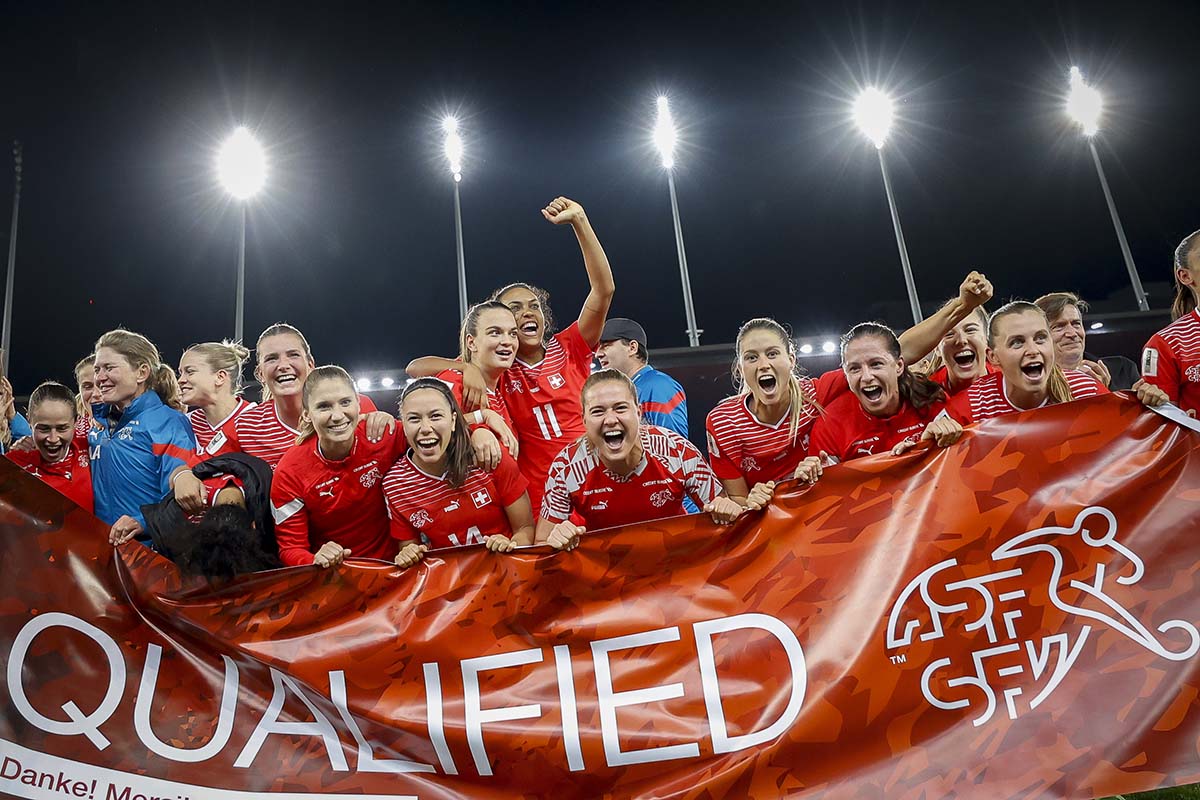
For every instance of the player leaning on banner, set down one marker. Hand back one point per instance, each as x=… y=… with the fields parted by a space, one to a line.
x=1171 y=359
x=622 y=471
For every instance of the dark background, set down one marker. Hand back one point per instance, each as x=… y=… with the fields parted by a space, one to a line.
x=121 y=108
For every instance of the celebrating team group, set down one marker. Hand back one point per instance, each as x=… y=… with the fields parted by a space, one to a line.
x=518 y=440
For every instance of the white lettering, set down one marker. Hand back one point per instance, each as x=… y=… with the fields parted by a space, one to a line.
x=433 y=718
x=145 y=699
x=269 y=724
x=366 y=758
x=475 y=715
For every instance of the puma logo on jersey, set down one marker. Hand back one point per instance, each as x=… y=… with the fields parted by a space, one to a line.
x=452 y=507
x=325 y=492
x=601 y=506
x=866 y=451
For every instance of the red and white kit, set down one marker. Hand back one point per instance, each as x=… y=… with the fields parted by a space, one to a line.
x=671 y=467
x=258 y=431
x=847 y=432
x=71 y=477
x=987 y=397
x=212 y=440
x=419 y=503
x=1171 y=361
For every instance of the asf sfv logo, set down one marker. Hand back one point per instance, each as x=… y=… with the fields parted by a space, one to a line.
x=995 y=597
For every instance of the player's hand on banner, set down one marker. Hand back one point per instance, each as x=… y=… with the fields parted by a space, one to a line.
x=760 y=495
x=487 y=449
x=1152 y=396
x=503 y=432
x=123 y=530
x=723 y=510
x=498 y=543
x=410 y=554
x=561 y=210
x=975 y=290
x=565 y=536
x=474 y=388
x=190 y=491
x=379 y=423
x=809 y=470
x=331 y=554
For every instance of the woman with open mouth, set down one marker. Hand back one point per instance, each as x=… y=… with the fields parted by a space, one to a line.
x=59 y=459
x=889 y=407
x=437 y=497
x=1020 y=345
x=623 y=471
x=961 y=355
x=327 y=492
x=1171 y=359
x=210 y=383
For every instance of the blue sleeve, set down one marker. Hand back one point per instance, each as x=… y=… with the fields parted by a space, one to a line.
x=175 y=446
x=20 y=427
x=664 y=404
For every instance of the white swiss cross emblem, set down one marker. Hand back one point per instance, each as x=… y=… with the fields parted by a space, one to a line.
x=556 y=381
x=481 y=498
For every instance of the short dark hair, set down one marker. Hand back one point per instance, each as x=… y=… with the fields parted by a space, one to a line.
x=639 y=352
x=1053 y=304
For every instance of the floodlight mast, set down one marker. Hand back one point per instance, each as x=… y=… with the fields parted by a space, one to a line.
x=6 y=332
x=664 y=141
x=1085 y=105
x=242 y=170
x=454 y=156
x=873 y=113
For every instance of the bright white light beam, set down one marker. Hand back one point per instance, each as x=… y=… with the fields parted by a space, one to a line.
x=454 y=147
x=664 y=133
x=242 y=165
x=873 y=112
x=1084 y=104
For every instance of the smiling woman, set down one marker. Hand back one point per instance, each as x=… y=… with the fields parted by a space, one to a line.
x=58 y=458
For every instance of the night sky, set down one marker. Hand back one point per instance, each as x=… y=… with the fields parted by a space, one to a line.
x=121 y=108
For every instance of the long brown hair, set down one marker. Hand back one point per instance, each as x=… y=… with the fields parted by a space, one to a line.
x=460 y=455
x=138 y=350
x=1056 y=386
x=1185 y=296
x=543 y=298
x=800 y=401
x=915 y=389
x=315 y=376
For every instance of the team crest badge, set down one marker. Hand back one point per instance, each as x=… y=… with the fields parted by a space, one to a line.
x=1193 y=373
x=661 y=498
x=481 y=498
x=420 y=519
x=556 y=381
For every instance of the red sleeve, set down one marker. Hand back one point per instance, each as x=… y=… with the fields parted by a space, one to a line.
x=365 y=405
x=831 y=386
x=720 y=461
x=826 y=438
x=510 y=483
x=291 y=516
x=1161 y=368
x=575 y=345
x=400 y=529
x=959 y=407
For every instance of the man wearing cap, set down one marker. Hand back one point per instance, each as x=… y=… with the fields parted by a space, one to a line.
x=660 y=397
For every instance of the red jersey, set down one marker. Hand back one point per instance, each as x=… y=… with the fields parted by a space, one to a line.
x=671 y=467
x=987 y=397
x=454 y=379
x=742 y=446
x=1171 y=361
x=942 y=378
x=315 y=500
x=847 y=431
x=419 y=503
x=544 y=400
x=258 y=431
x=214 y=440
x=71 y=477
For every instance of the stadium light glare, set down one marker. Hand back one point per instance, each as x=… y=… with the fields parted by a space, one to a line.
x=387 y=383
x=806 y=348
x=828 y=347
x=1096 y=326
x=1084 y=104
x=664 y=133
x=873 y=112
x=454 y=147
x=363 y=384
x=242 y=165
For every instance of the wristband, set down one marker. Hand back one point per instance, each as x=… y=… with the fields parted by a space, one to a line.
x=477 y=416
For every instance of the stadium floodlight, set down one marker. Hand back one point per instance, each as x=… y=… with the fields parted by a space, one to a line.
x=1084 y=107
x=242 y=171
x=873 y=112
x=6 y=330
x=387 y=383
x=664 y=141
x=454 y=155
x=363 y=384
x=1096 y=326
x=806 y=348
x=828 y=347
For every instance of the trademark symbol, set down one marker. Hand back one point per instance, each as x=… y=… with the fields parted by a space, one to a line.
x=900 y=659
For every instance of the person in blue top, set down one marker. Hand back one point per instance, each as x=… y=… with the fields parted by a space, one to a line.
x=142 y=447
x=661 y=399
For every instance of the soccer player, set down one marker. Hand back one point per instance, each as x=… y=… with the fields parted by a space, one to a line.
x=888 y=404
x=436 y=491
x=210 y=382
x=85 y=381
x=57 y=458
x=269 y=429
x=660 y=397
x=1171 y=359
x=143 y=446
x=1065 y=312
x=327 y=492
x=962 y=354
x=622 y=471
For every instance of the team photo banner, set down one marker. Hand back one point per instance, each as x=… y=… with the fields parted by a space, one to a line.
x=1014 y=616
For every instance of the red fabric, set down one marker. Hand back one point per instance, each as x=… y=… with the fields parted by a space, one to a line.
x=1171 y=361
x=259 y=432
x=941 y=376
x=222 y=431
x=420 y=503
x=454 y=379
x=986 y=397
x=740 y=446
x=71 y=477
x=316 y=500
x=847 y=432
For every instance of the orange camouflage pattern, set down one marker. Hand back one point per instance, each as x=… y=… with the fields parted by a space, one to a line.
x=832 y=562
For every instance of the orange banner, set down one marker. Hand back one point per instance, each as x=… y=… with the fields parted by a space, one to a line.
x=1015 y=616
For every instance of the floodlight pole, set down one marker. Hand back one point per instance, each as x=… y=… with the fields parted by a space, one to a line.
x=5 y=334
x=240 y=305
x=462 y=262
x=689 y=309
x=1134 y=279
x=904 y=263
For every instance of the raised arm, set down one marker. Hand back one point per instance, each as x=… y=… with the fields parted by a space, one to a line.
x=920 y=340
x=600 y=278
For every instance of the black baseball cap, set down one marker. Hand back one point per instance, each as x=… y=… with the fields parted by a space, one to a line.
x=624 y=328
